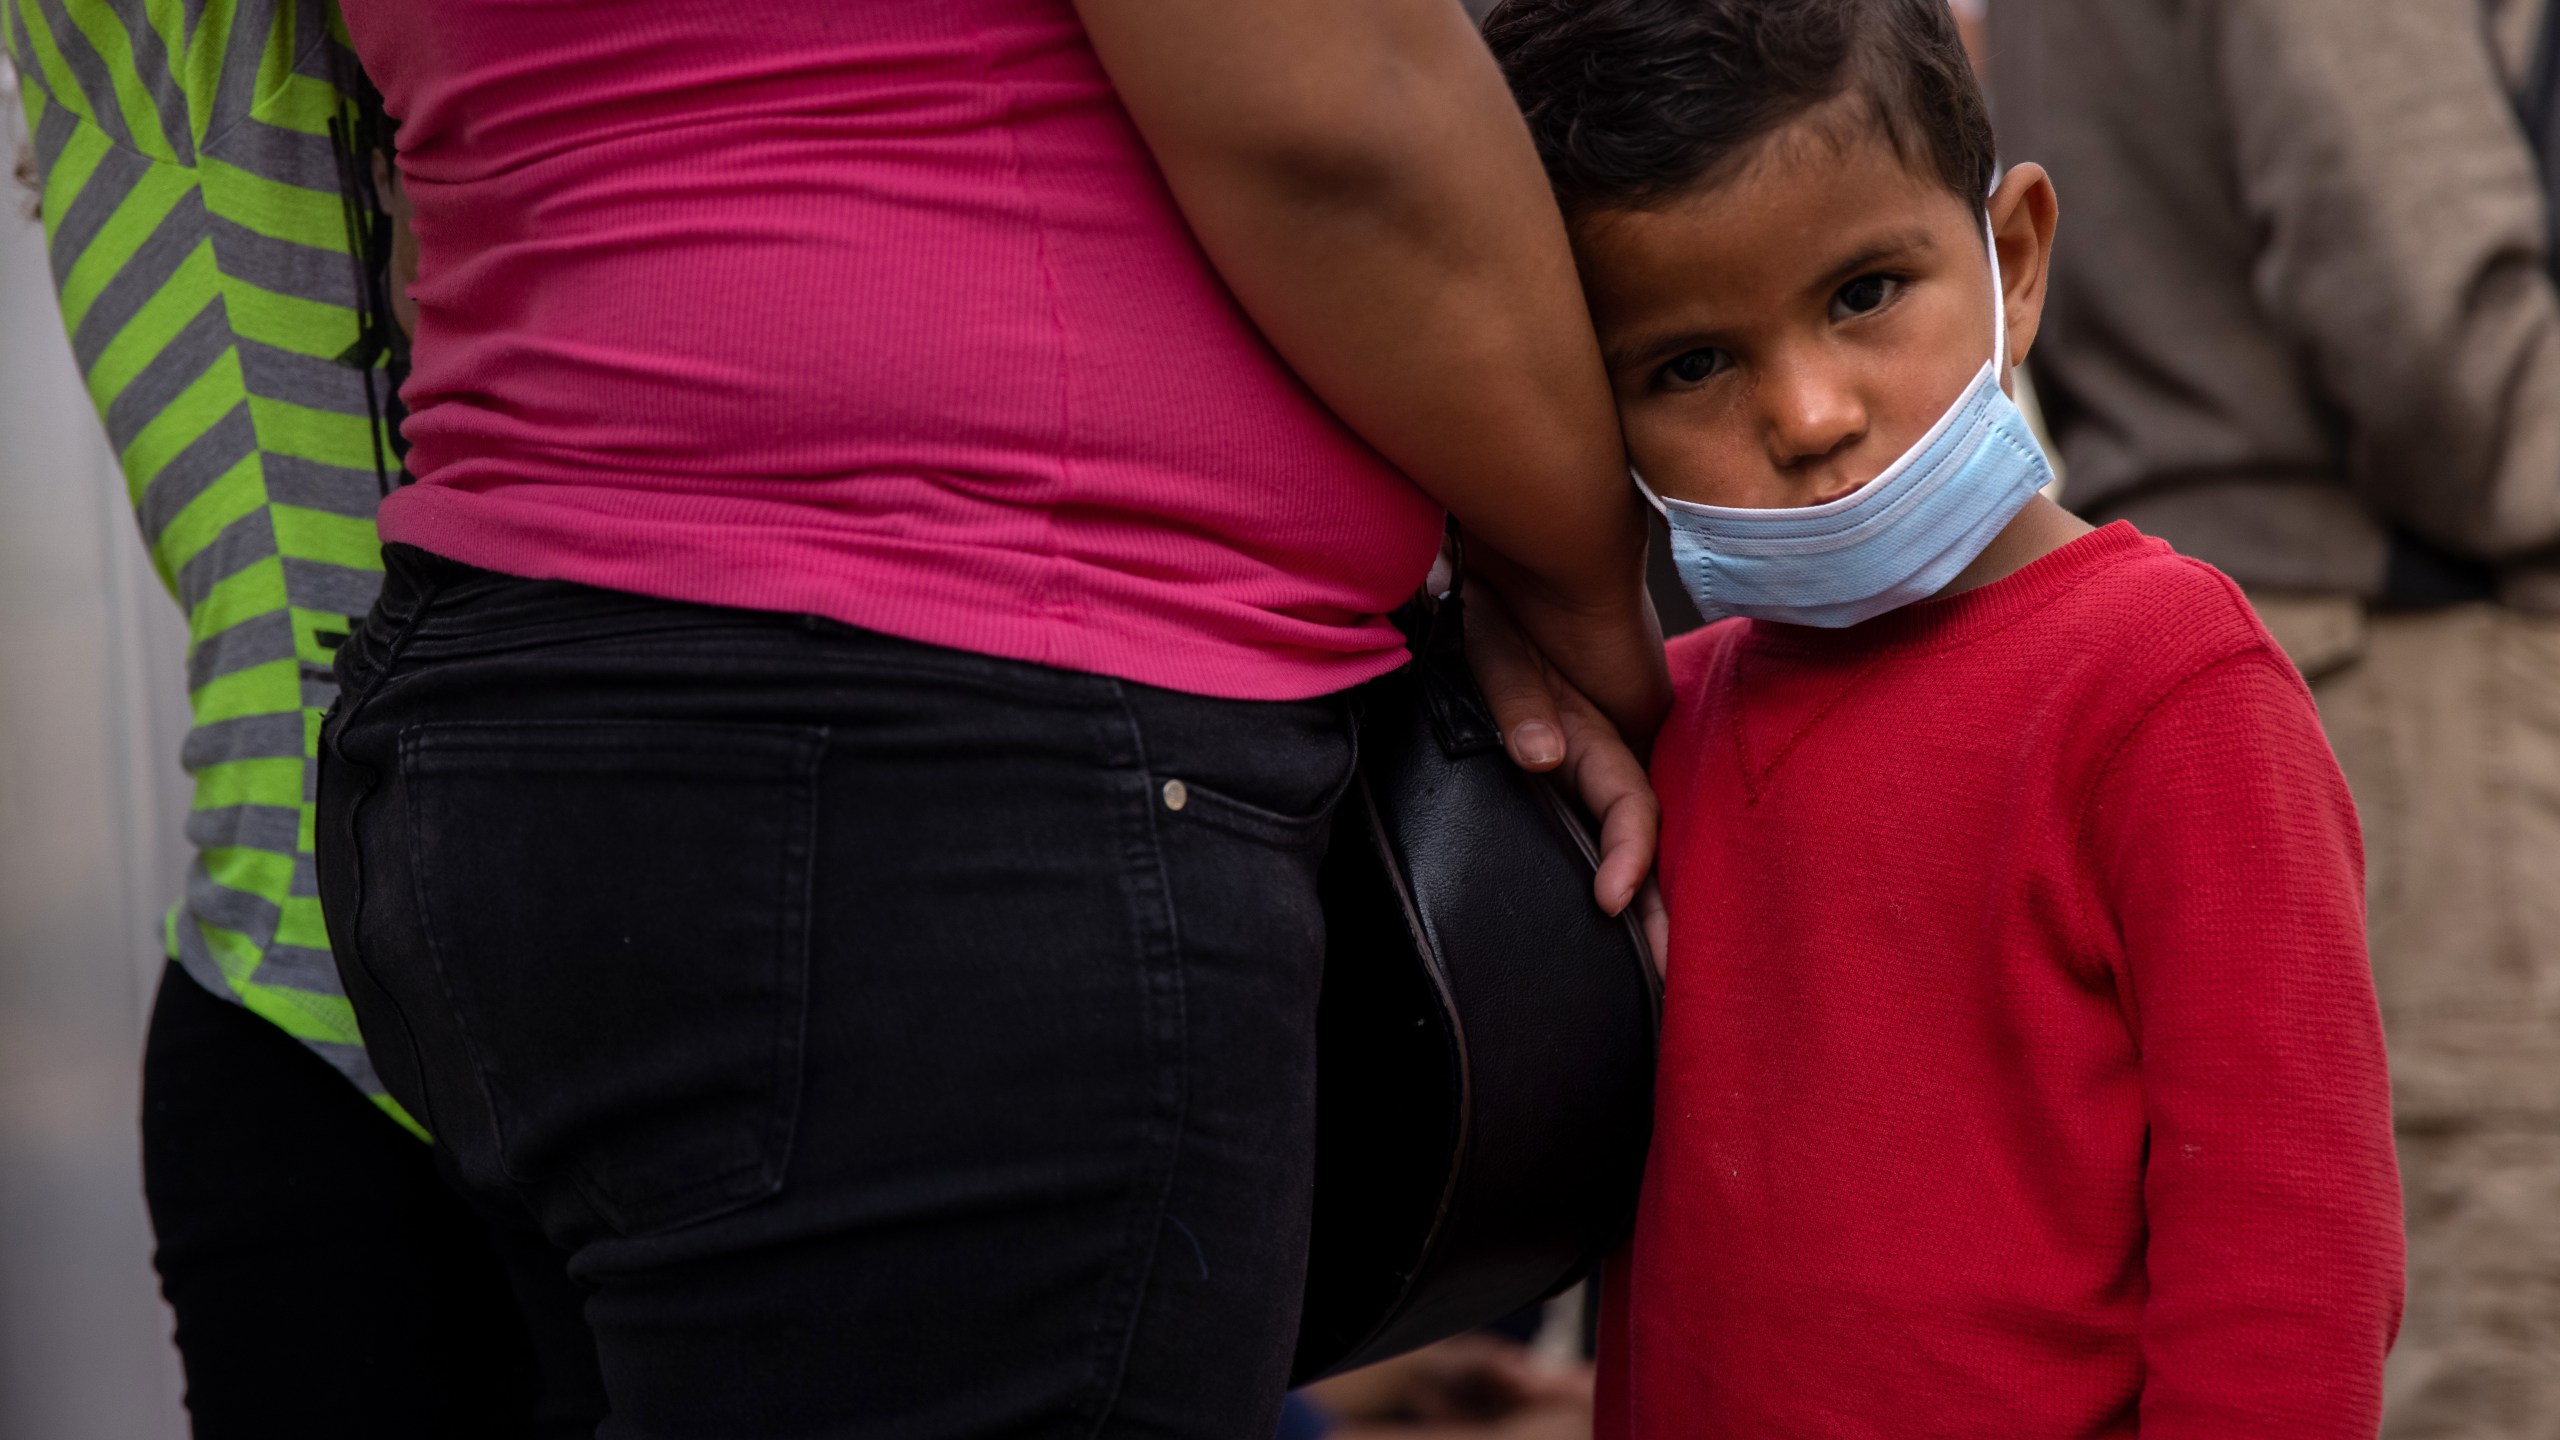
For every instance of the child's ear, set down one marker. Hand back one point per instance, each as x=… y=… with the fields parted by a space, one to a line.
x=2022 y=214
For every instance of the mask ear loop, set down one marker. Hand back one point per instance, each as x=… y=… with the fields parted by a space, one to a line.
x=1999 y=307
x=1647 y=492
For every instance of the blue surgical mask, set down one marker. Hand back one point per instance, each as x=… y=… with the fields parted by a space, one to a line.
x=1898 y=538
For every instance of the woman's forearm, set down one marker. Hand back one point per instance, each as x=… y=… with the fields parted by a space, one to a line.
x=1358 y=174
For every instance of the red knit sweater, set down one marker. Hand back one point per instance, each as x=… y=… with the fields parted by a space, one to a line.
x=2021 y=1072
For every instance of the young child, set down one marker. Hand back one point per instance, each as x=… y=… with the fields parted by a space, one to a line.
x=2021 y=1074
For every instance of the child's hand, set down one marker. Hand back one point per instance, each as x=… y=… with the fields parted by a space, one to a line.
x=1547 y=724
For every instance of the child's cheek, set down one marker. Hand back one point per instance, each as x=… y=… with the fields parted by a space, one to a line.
x=1685 y=454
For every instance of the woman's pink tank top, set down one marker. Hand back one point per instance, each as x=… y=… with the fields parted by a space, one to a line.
x=878 y=311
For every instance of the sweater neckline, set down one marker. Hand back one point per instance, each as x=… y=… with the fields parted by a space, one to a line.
x=1956 y=619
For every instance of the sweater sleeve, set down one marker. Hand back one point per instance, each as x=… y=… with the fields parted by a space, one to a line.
x=2227 y=849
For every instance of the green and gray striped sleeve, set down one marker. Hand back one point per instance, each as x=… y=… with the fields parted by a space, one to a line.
x=193 y=206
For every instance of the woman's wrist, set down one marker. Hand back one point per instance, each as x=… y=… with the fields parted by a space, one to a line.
x=1601 y=635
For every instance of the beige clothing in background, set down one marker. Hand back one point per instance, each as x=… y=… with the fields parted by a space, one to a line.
x=2448 y=727
x=2299 y=290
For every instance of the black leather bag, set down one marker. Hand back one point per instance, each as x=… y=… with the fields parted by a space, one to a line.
x=1486 y=1035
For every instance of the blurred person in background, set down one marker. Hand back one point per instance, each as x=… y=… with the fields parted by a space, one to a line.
x=222 y=255
x=2303 y=328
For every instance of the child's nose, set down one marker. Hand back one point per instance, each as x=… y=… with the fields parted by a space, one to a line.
x=1809 y=416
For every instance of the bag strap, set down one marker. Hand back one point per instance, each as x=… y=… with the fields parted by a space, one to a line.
x=1434 y=629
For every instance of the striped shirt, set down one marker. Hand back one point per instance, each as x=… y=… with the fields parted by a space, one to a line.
x=192 y=200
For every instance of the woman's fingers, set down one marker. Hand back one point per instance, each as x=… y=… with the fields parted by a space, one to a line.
x=1516 y=681
x=1657 y=927
x=1611 y=783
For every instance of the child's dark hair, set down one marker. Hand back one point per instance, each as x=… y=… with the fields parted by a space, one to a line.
x=1631 y=101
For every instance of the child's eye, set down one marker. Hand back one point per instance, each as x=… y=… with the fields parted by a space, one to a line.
x=1866 y=293
x=1692 y=366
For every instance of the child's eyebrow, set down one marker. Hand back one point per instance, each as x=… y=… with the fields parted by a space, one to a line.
x=1898 y=245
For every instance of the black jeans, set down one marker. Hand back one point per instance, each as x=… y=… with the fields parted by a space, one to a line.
x=899 y=1041
x=326 y=1282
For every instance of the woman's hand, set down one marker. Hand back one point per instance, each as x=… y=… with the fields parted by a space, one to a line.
x=1547 y=724
x=1357 y=172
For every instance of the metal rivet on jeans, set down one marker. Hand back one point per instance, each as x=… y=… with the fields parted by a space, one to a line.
x=1176 y=794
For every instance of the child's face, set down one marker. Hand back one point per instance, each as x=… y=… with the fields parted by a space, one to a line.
x=1778 y=338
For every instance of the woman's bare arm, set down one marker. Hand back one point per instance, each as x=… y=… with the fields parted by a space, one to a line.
x=1358 y=174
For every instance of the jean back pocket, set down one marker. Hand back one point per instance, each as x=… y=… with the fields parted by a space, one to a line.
x=618 y=915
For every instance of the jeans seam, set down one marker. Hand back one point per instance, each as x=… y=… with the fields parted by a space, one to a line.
x=1148 y=881
x=899 y=658
x=406 y=750
x=791 y=1047
x=355 y=704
